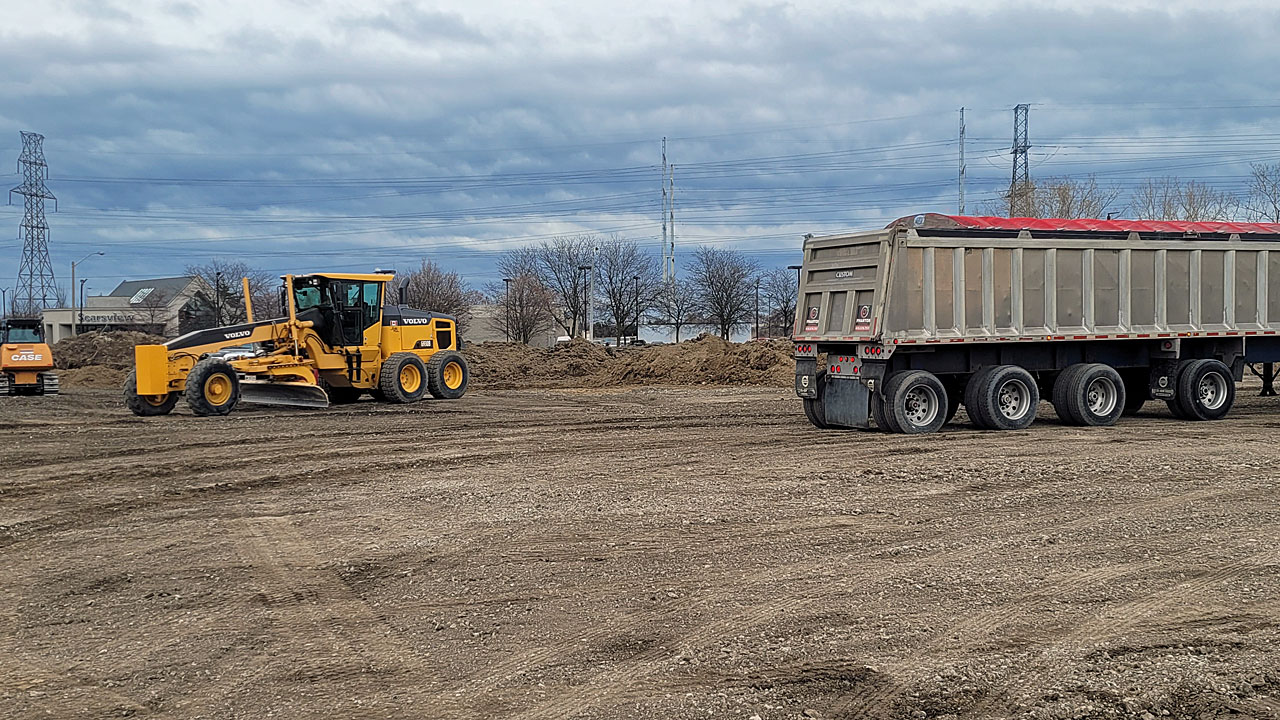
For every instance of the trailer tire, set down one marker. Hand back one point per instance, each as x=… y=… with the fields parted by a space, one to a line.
x=403 y=378
x=146 y=405
x=915 y=401
x=884 y=421
x=813 y=409
x=213 y=388
x=1004 y=397
x=1090 y=394
x=1175 y=402
x=971 y=393
x=1206 y=390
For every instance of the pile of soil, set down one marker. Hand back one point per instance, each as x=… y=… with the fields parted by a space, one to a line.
x=98 y=359
x=109 y=349
x=708 y=360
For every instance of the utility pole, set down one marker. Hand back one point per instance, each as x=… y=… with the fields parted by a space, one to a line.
x=217 y=298
x=82 y=282
x=586 y=316
x=637 y=279
x=961 y=177
x=4 y=303
x=1020 y=182
x=36 y=287
x=668 y=218
x=757 y=308
x=506 y=296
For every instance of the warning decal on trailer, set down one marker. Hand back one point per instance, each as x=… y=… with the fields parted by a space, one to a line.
x=863 y=321
x=811 y=320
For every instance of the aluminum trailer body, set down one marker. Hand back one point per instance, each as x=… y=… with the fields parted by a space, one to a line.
x=904 y=324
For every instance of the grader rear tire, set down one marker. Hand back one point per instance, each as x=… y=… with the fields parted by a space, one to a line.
x=447 y=375
x=403 y=378
x=213 y=388
x=146 y=405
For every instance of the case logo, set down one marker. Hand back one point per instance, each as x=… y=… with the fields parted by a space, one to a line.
x=26 y=357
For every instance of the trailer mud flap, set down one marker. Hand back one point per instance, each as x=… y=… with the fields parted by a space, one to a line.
x=847 y=403
x=807 y=378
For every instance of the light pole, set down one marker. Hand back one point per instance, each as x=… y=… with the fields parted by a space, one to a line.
x=82 y=282
x=757 y=308
x=4 y=303
x=586 y=298
x=217 y=298
x=506 y=297
x=74 y=328
x=637 y=340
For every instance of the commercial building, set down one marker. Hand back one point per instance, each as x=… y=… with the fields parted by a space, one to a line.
x=161 y=306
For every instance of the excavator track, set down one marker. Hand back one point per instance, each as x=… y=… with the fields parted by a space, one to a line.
x=49 y=383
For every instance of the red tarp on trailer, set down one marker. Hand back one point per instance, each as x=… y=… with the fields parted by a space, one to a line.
x=969 y=222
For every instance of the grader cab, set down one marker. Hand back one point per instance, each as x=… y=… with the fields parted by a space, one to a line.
x=338 y=341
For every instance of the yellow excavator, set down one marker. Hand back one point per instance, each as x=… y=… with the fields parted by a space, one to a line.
x=26 y=363
x=339 y=341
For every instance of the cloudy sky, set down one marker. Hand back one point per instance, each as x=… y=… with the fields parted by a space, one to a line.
x=351 y=135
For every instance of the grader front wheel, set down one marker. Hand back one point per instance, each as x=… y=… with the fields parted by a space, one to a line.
x=213 y=388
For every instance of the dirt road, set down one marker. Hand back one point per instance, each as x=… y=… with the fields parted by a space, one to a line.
x=632 y=553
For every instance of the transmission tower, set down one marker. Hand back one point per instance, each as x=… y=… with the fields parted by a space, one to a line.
x=36 y=288
x=1020 y=183
x=668 y=218
x=960 y=178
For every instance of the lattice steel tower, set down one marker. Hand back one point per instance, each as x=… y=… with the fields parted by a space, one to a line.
x=36 y=288
x=1020 y=185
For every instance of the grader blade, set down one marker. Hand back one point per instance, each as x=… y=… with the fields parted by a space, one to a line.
x=283 y=393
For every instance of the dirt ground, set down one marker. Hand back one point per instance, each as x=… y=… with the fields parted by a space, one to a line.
x=696 y=552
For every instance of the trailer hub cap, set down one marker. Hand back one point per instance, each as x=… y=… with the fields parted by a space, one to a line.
x=1014 y=399
x=1212 y=391
x=921 y=405
x=1101 y=396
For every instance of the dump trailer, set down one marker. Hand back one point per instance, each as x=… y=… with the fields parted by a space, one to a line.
x=899 y=327
x=26 y=362
x=337 y=342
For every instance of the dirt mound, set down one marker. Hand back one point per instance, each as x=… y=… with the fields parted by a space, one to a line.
x=707 y=360
x=106 y=349
x=93 y=376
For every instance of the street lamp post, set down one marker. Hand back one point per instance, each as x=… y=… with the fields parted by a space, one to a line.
x=4 y=303
x=506 y=297
x=586 y=298
x=74 y=328
x=757 y=308
x=637 y=279
x=217 y=299
x=82 y=282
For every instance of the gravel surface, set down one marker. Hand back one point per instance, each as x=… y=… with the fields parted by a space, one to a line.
x=644 y=552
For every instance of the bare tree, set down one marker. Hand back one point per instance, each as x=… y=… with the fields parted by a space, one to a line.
x=779 y=290
x=1263 y=203
x=524 y=307
x=724 y=284
x=626 y=279
x=1169 y=198
x=673 y=306
x=1062 y=197
x=559 y=268
x=431 y=288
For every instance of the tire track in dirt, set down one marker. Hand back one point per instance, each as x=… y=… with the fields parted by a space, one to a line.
x=1116 y=619
x=618 y=678
x=335 y=634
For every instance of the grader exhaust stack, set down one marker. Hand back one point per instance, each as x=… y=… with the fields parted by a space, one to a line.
x=337 y=343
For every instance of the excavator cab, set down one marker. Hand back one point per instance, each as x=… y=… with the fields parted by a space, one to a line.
x=21 y=330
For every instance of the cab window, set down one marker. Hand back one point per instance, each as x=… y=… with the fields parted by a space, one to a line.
x=22 y=335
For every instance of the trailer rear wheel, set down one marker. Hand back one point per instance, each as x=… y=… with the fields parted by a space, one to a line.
x=915 y=402
x=1003 y=397
x=813 y=409
x=1206 y=390
x=1089 y=394
x=1175 y=402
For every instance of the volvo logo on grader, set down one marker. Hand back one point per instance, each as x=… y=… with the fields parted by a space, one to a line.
x=236 y=335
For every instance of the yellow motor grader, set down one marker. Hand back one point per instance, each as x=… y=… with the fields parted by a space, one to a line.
x=339 y=341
